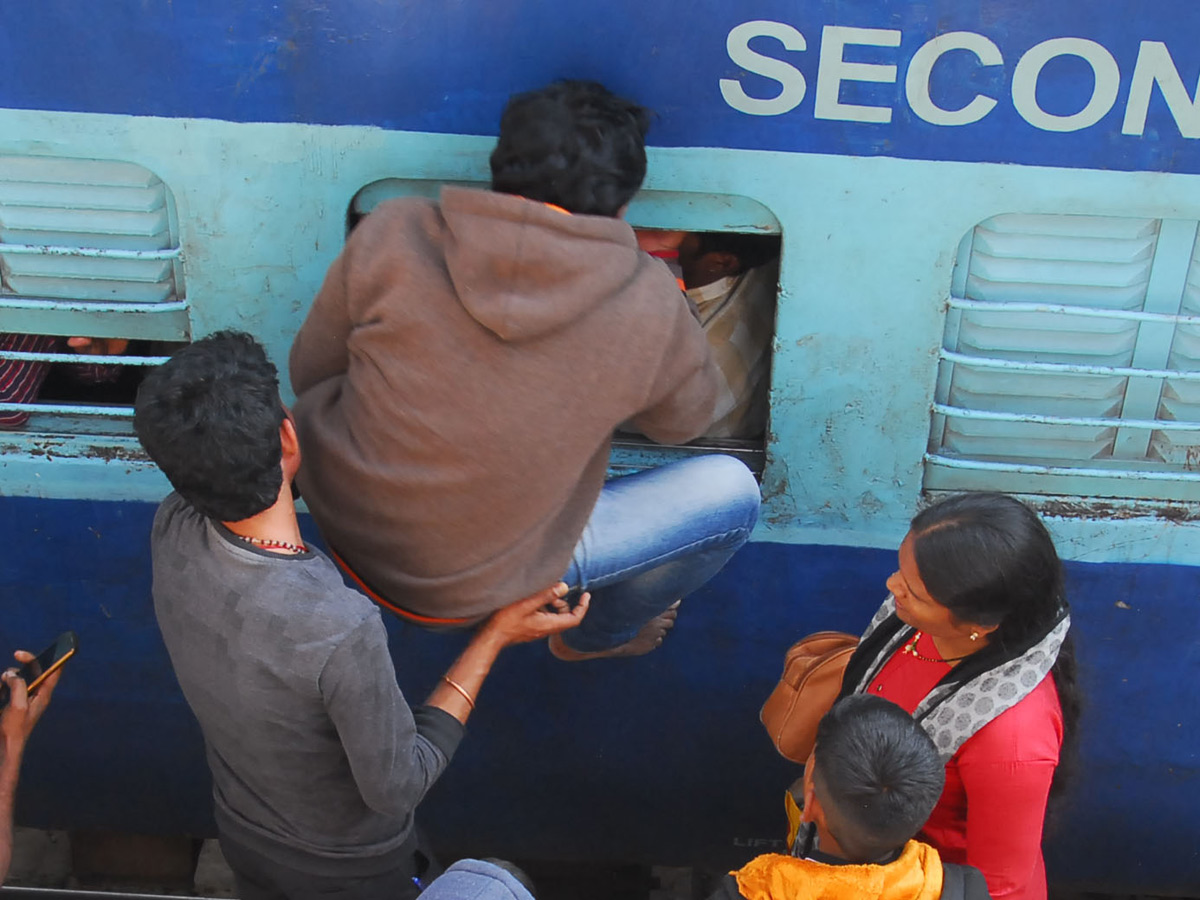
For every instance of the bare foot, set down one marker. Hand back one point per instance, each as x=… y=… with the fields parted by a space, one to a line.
x=648 y=638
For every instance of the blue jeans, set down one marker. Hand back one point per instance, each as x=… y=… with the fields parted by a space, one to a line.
x=655 y=537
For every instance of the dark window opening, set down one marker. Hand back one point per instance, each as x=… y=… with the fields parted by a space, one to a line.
x=731 y=280
x=106 y=383
x=44 y=378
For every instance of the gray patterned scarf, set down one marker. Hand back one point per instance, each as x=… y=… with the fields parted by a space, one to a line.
x=954 y=711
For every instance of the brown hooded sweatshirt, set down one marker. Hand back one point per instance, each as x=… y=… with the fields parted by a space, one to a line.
x=458 y=380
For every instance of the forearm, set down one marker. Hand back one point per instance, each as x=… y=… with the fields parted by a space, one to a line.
x=319 y=350
x=10 y=766
x=537 y=616
x=687 y=411
x=468 y=672
x=682 y=400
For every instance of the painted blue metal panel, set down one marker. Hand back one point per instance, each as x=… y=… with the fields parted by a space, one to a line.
x=448 y=67
x=658 y=759
x=661 y=757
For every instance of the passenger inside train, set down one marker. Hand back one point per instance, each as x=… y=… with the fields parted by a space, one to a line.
x=733 y=280
x=870 y=783
x=23 y=381
x=16 y=723
x=317 y=762
x=973 y=640
x=461 y=373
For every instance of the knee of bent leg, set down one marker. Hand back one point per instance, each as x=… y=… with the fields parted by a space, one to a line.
x=733 y=487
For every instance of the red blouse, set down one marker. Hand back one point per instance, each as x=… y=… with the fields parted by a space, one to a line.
x=993 y=807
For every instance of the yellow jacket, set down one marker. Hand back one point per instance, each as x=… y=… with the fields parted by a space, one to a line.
x=915 y=875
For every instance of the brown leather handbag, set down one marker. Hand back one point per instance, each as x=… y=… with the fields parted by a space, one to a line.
x=812 y=679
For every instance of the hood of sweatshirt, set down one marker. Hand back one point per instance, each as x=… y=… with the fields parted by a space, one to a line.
x=524 y=269
x=915 y=875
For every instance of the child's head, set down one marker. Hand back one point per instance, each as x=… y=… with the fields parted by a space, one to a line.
x=574 y=144
x=210 y=418
x=875 y=776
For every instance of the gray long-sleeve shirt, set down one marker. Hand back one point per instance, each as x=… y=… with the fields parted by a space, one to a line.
x=315 y=755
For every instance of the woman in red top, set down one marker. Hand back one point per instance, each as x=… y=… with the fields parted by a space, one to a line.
x=973 y=642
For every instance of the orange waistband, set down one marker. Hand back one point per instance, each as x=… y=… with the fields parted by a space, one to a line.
x=392 y=607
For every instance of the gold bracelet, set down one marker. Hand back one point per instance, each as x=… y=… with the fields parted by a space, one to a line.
x=462 y=690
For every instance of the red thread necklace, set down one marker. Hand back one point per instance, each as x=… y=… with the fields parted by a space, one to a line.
x=911 y=649
x=270 y=544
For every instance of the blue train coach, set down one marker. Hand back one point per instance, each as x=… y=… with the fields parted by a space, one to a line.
x=990 y=279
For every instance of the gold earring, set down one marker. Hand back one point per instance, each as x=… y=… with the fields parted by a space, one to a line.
x=974 y=635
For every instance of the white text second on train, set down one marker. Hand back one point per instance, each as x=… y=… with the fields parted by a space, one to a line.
x=1153 y=68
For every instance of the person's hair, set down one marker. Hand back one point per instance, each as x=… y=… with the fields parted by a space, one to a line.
x=989 y=560
x=209 y=417
x=752 y=250
x=877 y=775
x=574 y=144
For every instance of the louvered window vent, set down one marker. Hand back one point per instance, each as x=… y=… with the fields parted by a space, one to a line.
x=1071 y=360
x=88 y=248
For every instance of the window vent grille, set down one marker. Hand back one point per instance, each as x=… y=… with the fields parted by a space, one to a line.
x=88 y=248
x=1071 y=360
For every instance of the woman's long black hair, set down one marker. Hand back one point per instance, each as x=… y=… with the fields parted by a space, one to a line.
x=989 y=559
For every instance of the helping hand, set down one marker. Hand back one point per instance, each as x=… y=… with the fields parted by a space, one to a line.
x=537 y=616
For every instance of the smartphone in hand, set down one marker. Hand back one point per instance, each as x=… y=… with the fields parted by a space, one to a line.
x=42 y=666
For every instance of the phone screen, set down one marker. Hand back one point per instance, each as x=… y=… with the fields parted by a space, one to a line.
x=42 y=665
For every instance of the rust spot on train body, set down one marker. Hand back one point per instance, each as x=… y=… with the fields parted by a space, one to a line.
x=779 y=488
x=1095 y=508
x=1101 y=509
x=54 y=449
x=111 y=453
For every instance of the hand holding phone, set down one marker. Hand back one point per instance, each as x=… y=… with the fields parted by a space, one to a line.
x=27 y=692
x=37 y=669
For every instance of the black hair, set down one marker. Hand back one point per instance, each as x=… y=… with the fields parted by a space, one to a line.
x=876 y=774
x=209 y=417
x=989 y=559
x=574 y=144
x=752 y=250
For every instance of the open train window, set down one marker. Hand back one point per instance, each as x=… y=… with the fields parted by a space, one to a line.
x=89 y=250
x=726 y=252
x=1070 y=363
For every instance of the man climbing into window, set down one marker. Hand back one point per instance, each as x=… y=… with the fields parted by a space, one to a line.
x=463 y=368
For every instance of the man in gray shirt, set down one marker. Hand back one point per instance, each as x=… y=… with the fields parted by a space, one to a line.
x=318 y=763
